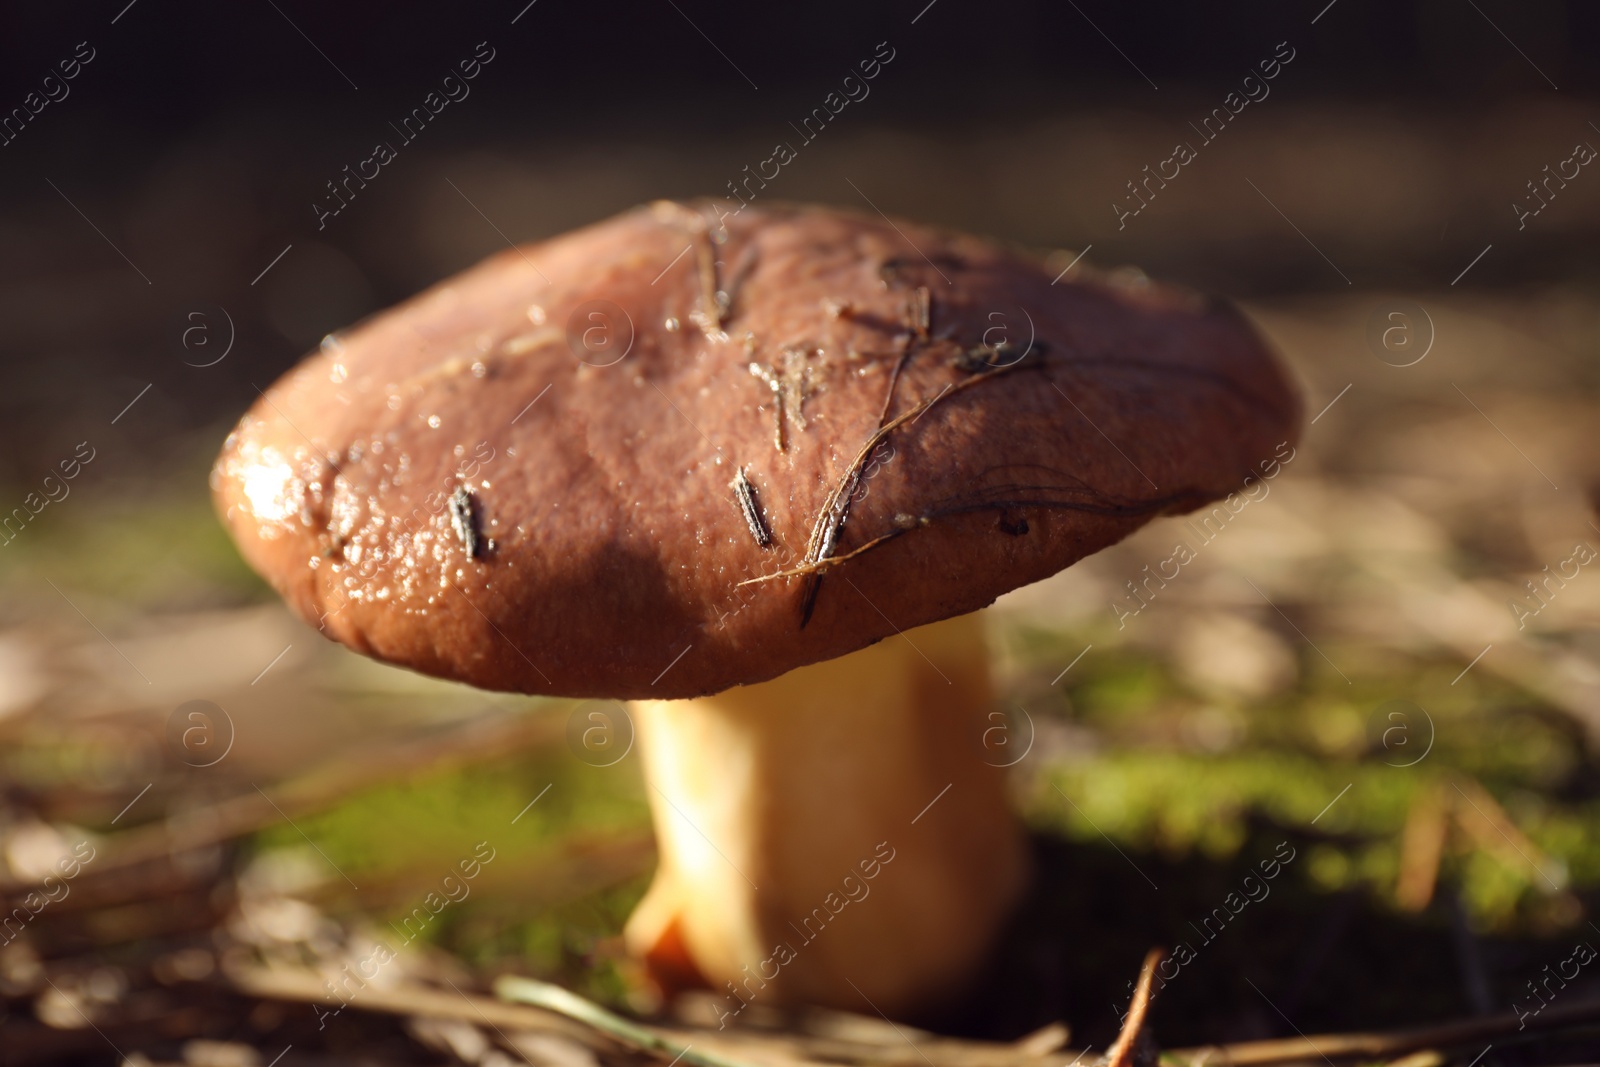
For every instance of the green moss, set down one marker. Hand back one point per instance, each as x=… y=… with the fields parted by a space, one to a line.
x=436 y=817
x=410 y=835
x=147 y=554
x=1149 y=790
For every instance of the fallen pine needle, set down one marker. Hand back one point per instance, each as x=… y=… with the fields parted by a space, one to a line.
x=311 y=987
x=556 y=999
x=1381 y=1045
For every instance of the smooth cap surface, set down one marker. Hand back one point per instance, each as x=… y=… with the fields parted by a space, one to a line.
x=560 y=471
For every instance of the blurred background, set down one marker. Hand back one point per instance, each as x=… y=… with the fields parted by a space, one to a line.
x=1387 y=665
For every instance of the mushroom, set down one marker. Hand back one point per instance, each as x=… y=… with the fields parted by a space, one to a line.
x=753 y=471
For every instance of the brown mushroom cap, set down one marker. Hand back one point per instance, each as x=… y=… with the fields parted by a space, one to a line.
x=524 y=478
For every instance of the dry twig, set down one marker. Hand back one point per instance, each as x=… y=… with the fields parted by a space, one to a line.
x=1120 y=1054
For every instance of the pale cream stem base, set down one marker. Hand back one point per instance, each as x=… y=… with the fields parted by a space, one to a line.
x=835 y=836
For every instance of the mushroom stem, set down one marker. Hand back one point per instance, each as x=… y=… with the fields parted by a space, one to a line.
x=835 y=836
